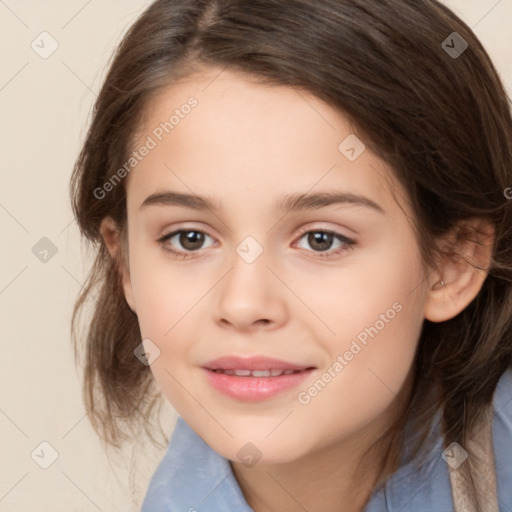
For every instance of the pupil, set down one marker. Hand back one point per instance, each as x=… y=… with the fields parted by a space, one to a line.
x=191 y=239
x=323 y=239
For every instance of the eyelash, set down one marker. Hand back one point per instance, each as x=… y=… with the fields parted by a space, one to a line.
x=348 y=243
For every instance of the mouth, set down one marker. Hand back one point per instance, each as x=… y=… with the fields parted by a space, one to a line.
x=257 y=373
x=254 y=379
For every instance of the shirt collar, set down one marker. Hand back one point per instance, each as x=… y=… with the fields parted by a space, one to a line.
x=192 y=477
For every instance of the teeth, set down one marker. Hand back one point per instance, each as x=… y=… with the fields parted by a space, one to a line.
x=257 y=373
x=260 y=373
x=242 y=373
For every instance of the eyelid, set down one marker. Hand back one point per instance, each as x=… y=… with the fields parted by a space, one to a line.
x=348 y=242
x=173 y=232
x=168 y=233
x=335 y=231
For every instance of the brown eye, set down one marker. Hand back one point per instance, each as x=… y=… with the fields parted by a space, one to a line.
x=188 y=240
x=321 y=241
x=191 y=240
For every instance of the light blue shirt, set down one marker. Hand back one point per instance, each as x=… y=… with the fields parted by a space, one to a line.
x=192 y=477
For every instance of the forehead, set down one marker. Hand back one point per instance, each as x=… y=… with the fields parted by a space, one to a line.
x=224 y=135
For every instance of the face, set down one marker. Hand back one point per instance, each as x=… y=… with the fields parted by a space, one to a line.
x=332 y=288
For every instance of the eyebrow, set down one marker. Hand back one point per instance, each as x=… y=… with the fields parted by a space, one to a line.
x=291 y=202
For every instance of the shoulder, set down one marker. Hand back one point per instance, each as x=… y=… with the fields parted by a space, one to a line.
x=429 y=488
x=503 y=402
x=502 y=439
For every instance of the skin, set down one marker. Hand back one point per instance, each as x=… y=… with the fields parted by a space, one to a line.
x=245 y=146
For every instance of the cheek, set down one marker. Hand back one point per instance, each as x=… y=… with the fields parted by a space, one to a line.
x=165 y=293
x=378 y=296
x=365 y=372
x=167 y=300
x=172 y=312
x=375 y=314
x=364 y=377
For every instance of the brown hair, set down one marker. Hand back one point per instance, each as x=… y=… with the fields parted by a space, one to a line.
x=441 y=121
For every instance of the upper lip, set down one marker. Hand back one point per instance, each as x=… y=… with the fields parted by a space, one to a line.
x=233 y=362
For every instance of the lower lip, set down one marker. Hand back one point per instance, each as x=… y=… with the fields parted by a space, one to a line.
x=254 y=389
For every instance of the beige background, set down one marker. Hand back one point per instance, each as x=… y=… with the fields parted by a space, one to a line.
x=45 y=105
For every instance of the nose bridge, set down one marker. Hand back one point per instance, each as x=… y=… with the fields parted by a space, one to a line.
x=249 y=268
x=249 y=250
x=249 y=293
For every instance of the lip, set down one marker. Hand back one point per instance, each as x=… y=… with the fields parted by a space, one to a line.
x=252 y=363
x=250 y=388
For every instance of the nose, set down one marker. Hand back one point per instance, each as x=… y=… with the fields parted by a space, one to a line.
x=250 y=296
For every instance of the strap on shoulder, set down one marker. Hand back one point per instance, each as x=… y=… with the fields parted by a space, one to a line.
x=480 y=449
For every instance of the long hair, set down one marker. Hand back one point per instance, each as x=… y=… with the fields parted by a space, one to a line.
x=436 y=112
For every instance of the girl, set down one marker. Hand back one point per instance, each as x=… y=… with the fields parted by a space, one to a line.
x=302 y=213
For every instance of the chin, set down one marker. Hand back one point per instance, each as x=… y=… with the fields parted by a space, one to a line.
x=255 y=449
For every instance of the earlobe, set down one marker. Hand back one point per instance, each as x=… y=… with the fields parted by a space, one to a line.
x=111 y=235
x=462 y=271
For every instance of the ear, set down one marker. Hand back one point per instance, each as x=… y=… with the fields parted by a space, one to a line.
x=111 y=235
x=462 y=270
